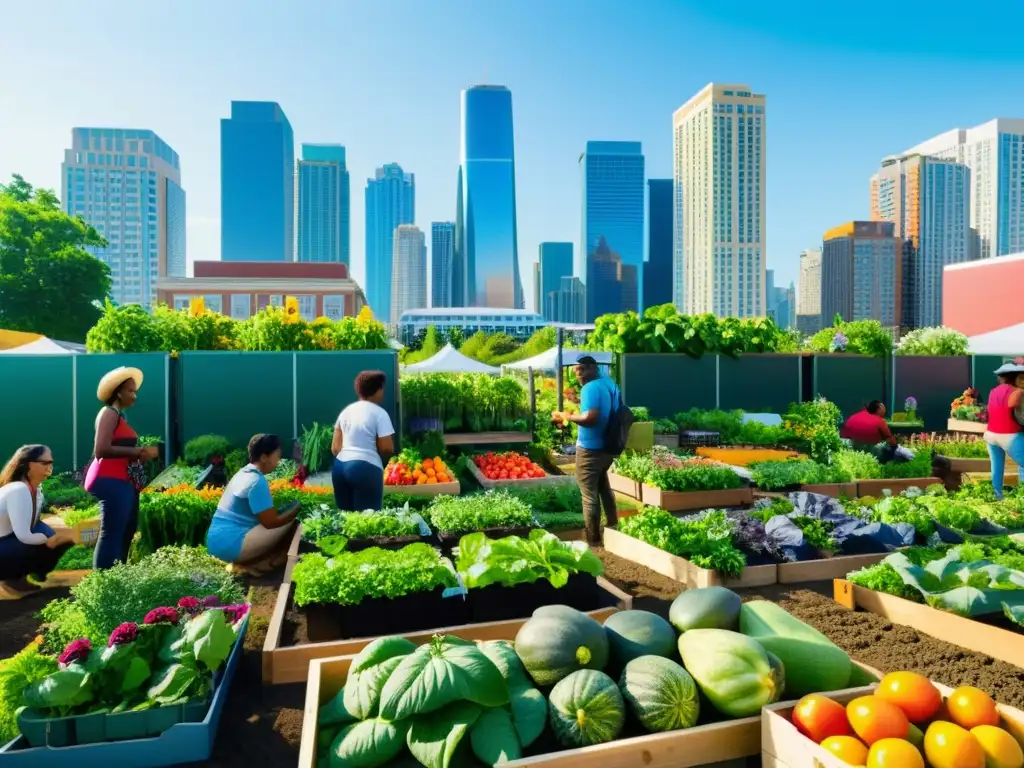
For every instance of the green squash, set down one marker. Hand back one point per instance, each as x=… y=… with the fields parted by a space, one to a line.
x=732 y=670
x=660 y=693
x=632 y=634
x=559 y=641
x=586 y=708
x=705 y=608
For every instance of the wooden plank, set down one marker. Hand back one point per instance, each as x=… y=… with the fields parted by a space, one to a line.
x=528 y=482
x=877 y=487
x=624 y=485
x=976 y=636
x=826 y=569
x=487 y=438
x=961 y=425
x=437 y=489
x=979 y=465
x=834 y=490
x=293 y=554
x=274 y=631
x=672 y=501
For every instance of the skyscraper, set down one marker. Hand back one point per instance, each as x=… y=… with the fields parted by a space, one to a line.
x=929 y=201
x=808 y=298
x=611 y=286
x=409 y=277
x=554 y=261
x=657 y=279
x=323 y=204
x=487 y=255
x=127 y=184
x=994 y=151
x=861 y=273
x=442 y=240
x=612 y=175
x=390 y=202
x=257 y=183
x=568 y=302
x=719 y=233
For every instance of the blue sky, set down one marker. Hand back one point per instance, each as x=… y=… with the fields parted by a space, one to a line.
x=847 y=83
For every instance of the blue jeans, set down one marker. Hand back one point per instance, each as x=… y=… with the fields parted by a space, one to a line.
x=18 y=559
x=998 y=448
x=119 y=519
x=358 y=485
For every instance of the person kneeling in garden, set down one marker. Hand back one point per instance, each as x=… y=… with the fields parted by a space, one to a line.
x=247 y=529
x=868 y=431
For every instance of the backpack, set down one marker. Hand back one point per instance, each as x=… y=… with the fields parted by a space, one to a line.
x=616 y=431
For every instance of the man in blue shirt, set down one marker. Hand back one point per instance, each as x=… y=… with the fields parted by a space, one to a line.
x=598 y=398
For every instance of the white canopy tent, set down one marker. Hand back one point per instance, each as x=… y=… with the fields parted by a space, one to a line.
x=41 y=346
x=1003 y=341
x=550 y=361
x=450 y=360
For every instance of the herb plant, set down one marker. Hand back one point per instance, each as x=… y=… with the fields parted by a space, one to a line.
x=493 y=509
x=705 y=540
x=17 y=673
x=661 y=468
x=77 y=558
x=204 y=449
x=388 y=523
x=316 y=446
x=790 y=473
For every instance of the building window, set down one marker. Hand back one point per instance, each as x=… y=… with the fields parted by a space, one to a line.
x=241 y=306
x=214 y=303
x=307 y=307
x=334 y=307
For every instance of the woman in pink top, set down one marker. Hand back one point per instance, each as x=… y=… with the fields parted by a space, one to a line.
x=1003 y=435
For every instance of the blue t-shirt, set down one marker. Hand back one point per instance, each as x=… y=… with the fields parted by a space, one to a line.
x=245 y=496
x=599 y=394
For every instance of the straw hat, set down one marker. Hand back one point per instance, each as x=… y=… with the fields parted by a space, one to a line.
x=114 y=379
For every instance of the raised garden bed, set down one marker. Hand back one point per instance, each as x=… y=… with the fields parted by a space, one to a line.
x=1002 y=644
x=299 y=547
x=979 y=465
x=487 y=438
x=675 y=501
x=436 y=489
x=962 y=425
x=528 y=482
x=834 y=490
x=877 y=488
x=624 y=485
x=450 y=539
x=741 y=456
x=827 y=568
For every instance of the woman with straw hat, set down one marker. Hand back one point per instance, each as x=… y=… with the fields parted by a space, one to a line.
x=1003 y=433
x=111 y=477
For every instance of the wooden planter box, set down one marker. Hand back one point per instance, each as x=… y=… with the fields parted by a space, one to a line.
x=674 y=501
x=834 y=490
x=625 y=486
x=290 y=664
x=979 y=465
x=826 y=569
x=487 y=438
x=876 y=487
x=295 y=549
x=961 y=425
x=977 y=636
x=680 y=569
x=528 y=482
x=437 y=489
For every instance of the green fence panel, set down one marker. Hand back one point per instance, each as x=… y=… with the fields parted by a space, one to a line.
x=759 y=383
x=669 y=384
x=850 y=381
x=325 y=383
x=934 y=381
x=149 y=415
x=39 y=394
x=983 y=368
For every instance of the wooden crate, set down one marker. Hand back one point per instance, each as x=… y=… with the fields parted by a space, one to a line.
x=680 y=569
x=835 y=490
x=976 y=636
x=826 y=569
x=961 y=425
x=290 y=664
x=528 y=482
x=673 y=501
x=625 y=486
x=877 y=487
x=487 y=438
x=437 y=489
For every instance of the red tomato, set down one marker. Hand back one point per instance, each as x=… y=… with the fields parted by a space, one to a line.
x=818 y=717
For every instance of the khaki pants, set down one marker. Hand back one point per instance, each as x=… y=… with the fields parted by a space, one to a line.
x=592 y=477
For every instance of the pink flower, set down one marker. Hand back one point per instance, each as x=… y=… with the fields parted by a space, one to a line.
x=77 y=650
x=124 y=634
x=190 y=604
x=235 y=613
x=163 y=615
x=211 y=601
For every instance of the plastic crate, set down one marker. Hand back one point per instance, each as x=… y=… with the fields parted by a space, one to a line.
x=87 y=532
x=689 y=438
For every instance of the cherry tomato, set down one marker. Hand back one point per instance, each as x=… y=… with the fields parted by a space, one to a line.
x=911 y=692
x=874 y=719
x=818 y=717
x=969 y=707
x=947 y=745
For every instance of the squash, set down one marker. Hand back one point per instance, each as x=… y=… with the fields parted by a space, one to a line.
x=558 y=641
x=632 y=634
x=660 y=693
x=732 y=670
x=705 y=608
x=813 y=663
x=586 y=708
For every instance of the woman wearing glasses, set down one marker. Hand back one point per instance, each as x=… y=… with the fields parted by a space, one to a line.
x=28 y=547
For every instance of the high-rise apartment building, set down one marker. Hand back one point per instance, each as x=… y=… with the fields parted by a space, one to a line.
x=127 y=184
x=657 y=272
x=567 y=304
x=929 y=201
x=612 y=178
x=808 y=298
x=409 y=277
x=994 y=151
x=257 y=183
x=861 y=270
x=554 y=261
x=442 y=241
x=323 y=204
x=390 y=202
x=719 y=232
x=487 y=251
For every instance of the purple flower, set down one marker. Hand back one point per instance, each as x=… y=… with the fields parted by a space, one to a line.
x=211 y=601
x=77 y=650
x=235 y=613
x=163 y=615
x=124 y=634
x=190 y=604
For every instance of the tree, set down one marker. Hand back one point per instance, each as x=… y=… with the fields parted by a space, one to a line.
x=49 y=283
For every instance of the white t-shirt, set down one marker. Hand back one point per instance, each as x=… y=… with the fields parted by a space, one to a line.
x=361 y=424
x=16 y=512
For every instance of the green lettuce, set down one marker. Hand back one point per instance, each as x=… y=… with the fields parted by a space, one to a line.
x=515 y=560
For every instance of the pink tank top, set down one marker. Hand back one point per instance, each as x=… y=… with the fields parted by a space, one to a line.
x=1000 y=414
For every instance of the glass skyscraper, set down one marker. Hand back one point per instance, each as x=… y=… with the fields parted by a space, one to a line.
x=323 y=204
x=657 y=277
x=257 y=183
x=442 y=241
x=390 y=202
x=487 y=258
x=554 y=263
x=127 y=184
x=612 y=225
x=409 y=275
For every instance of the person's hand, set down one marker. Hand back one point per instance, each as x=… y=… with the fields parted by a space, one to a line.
x=149 y=453
x=560 y=418
x=54 y=541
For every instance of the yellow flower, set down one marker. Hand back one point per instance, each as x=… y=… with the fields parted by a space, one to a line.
x=365 y=314
x=196 y=306
x=291 y=309
x=174 y=354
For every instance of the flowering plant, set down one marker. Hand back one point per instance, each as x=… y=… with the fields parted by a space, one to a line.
x=969 y=407
x=838 y=343
x=910 y=404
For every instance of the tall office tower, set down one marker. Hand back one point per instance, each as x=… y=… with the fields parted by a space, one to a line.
x=537 y=296
x=719 y=231
x=486 y=262
x=554 y=261
x=257 y=183
x=657 y=272
x=442 y=240
x=390 y=202
x=409 y=277
x=994 y=151
x=612 y=178
x=929 y=201
x=808 y=297
x=611 y=286
x=127 y=184
x=323 y=204
x=568 y=303
x=861 y=273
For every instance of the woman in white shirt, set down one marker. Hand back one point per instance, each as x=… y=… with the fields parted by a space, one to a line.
x=27 y=546
x=363 y=440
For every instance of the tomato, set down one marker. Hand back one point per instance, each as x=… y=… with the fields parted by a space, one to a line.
x=1000 y=748
x=911 y=692
x=874 y=719
x=969 y=707
x=846 y=748
x=894 y=753
x=947 y=745
x=818 y=717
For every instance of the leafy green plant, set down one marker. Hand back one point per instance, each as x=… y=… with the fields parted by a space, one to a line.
x=815 y=428
x=202 y=450
x=514 y=560
x=863 y=337
x=726 y=423
x=705 y=540
x=17 y=673
x=493 y=509
x=856 y=465
x=387 y=523
x=665 y=427
x=955 y=446
x=789 y=473
x=640 y=413
x=919 y=466
x=72 y=516
x=234 y=460
x=466 y=402
x=316 y=446
x=77 y=558
x=934 y=342
x=175 y=519
x=661 y=468
x=66 y=490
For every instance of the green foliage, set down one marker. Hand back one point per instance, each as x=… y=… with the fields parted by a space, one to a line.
x=864 y=337
x=199 y=451
x=731 y=428
x=856 y=465
x=815 y=428
x=234 y=460
x=935 y=342
x=466 y=402
x=493 y=509
x=175 y=519
x=124 y=329
x=431 y=345
x=17 y=673
x=388 y=523
x=77 y=558
x=705 y=540
x=516 y=560
x=789 y=474
x=65 y=490
x=919 y=466
x=316 y=446
x=663 y=469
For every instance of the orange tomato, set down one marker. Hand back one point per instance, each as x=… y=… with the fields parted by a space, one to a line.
x=818 y=717
x=428 y=463
x=421 y=480
x=911 y=692
x=947 y=745
x=846 y=748
x=431 y=480
x=1000 y=748
x=874 y=719
x=894 y=753
x=969 y=707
